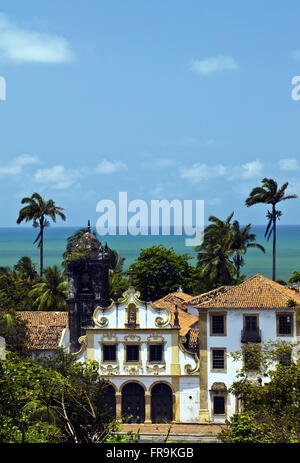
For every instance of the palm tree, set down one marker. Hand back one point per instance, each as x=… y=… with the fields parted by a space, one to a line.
x=116 y=262
x=25 y=268
x=37 y=209
x=216 y=250
x=269 y=193
x=51 y=293
x=295 y=278
x=242 y=240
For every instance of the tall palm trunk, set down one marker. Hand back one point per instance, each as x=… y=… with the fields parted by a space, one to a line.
x=41 y=245
x=274 y=241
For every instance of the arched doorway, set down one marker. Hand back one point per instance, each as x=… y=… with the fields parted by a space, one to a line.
x=108 y=401
x=161 y=404
x=133 y=403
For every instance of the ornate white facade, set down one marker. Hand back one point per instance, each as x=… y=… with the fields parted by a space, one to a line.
x=153 y=377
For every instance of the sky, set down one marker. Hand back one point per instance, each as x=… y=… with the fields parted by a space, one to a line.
x=162 y=100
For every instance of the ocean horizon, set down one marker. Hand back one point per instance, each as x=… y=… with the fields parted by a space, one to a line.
x=16 y=242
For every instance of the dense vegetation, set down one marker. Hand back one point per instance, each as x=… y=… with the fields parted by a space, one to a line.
x=270 y=405
x=54 y=400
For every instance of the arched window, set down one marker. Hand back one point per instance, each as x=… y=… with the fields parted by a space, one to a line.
x=107 y=401
x=133 y=403
x=161 y=404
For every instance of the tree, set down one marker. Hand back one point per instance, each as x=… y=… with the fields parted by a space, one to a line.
x=37 y=209
x=116 y=262
x=118 y=284
x=269 y=193
x=15 y=331
x=270 y=405
x=14 y=291
x=215 y=252
x=25 y=268
x=295 y=278
x=242 y=241
x=51 y=293
x=54 y=400
x=158 y=271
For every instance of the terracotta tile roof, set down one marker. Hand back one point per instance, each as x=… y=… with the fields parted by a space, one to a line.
x=294 y=288
x=186 y=320
x=45 y=328
x=171 y=299
x=204 y=297
x=257 y=292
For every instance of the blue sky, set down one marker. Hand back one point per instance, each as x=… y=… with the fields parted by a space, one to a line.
x=163 y=100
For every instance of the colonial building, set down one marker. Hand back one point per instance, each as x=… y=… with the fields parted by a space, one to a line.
x=167 y=361
x=258 y=310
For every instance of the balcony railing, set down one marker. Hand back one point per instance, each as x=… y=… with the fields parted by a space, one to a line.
x=251 y=335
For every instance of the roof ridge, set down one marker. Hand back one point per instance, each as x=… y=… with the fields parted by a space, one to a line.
x=274 y=295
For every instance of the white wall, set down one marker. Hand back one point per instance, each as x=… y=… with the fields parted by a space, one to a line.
x=189 y=399
x=232 y=342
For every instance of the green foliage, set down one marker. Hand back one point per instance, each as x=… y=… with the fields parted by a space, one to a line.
x=26 y=269
x=51 y=292
x=52 y=400
x=245 y=429
x=295 y=278
x=221 y=254
x=116 y=437
x=291 y=303
x=78 y=254
x=15 y=331
x=269 y=193
x=270 y=405
x=118 y=284
x=36 y=209
x=159 y=271
x=14 y=291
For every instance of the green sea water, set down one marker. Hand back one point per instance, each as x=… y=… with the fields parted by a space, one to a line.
x=16 y=242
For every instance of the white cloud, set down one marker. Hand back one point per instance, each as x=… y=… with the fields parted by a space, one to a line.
x=288 y=164
x=251 y=169
x=57 y=176
x=16 y=166
x=110 y=167
x=21 y=45
x=213 y=64
x=198 y=172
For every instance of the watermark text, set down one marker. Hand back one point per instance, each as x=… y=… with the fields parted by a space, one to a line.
x=165 y=217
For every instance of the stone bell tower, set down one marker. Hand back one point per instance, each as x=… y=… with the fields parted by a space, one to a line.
x=87 y=285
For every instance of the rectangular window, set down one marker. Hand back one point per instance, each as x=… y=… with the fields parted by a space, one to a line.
x=250 y=323
x=219 y=405
x=109 y=353
x=155 y=353
x=132 y=353
x=218 y=359
x=284 y=325
x=218 y=324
